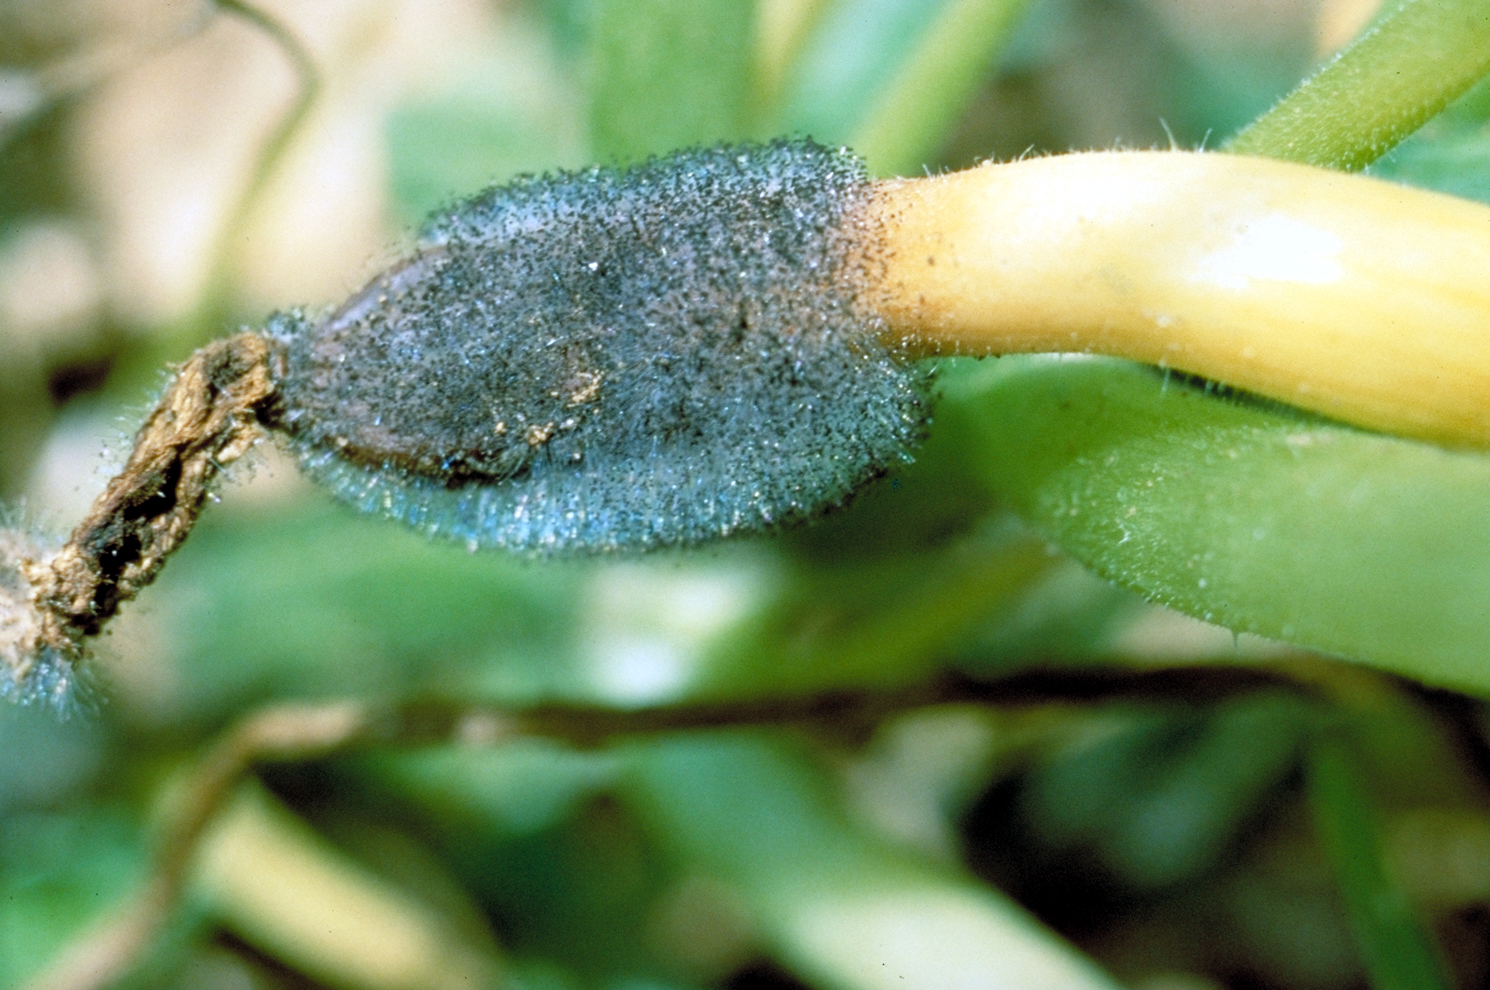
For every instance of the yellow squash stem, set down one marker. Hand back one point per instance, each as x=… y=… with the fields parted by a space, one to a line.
x=1363 y=300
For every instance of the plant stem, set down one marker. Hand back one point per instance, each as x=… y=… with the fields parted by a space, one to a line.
x=1380 y=89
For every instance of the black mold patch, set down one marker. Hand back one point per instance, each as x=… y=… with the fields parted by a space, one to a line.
x=613 y=359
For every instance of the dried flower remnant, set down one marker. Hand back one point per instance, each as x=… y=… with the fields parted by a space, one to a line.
x=207 y=418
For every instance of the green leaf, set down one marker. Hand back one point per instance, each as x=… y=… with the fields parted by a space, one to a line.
x=327 y=603
x=491 y=126
x=912 y=115
x=519 y=789
x=668 y=74
x=869 y=623
x=1163 y=795
x=855 y=49
x=1252 y=516
x=1457 y=164
x=59 y=873
x=891 y=77
x=834 y=903
x=1451 y=154
x=1399 y=954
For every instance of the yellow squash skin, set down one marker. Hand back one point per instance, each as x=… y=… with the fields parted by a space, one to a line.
x=1360 y=299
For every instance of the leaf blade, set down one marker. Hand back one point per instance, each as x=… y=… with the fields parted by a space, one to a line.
x=1256 y=517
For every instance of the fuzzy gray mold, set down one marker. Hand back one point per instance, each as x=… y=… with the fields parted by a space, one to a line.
x=31 y=672
x=613 y=359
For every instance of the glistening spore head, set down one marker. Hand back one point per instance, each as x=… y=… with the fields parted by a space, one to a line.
x=614 y=359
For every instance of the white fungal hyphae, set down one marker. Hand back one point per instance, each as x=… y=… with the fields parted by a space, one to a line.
x=30 y=672
x=614 y=358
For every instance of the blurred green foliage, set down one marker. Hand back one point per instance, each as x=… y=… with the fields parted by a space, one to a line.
x=1137 y=780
